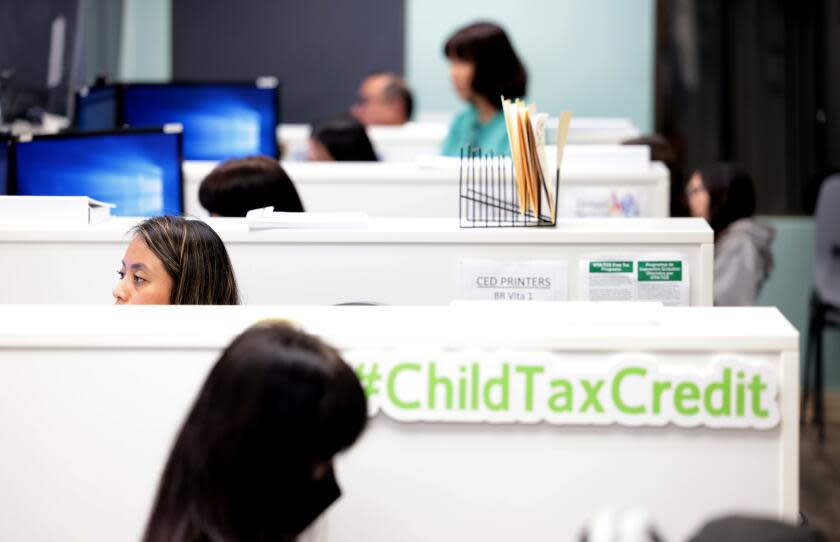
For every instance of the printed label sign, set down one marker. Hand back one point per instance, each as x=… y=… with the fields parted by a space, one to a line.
x=633 y=390
x=660 y=271
x=646 y=277
x=611 y=267
x=514 y=281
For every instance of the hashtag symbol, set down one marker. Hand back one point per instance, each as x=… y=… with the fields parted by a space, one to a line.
x=369 y=379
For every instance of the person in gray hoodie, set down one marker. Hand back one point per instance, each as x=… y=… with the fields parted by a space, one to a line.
x=725 y=196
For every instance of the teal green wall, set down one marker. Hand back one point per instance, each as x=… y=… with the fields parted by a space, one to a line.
x=146 y=48
x=593 y=57
x=789 y=287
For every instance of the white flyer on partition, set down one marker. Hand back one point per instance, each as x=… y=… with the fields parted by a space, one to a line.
x=609 y=277
x=662 y=277
x=537 y=280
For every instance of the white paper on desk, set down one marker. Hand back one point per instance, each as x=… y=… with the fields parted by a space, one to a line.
x=53 y=210
x=536 y=280
x=266 y=218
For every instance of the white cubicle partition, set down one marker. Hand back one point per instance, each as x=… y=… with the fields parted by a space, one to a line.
x=392 y=261
x=392 y=143
x=404 y=143
x=92 y=397
x=616 y=181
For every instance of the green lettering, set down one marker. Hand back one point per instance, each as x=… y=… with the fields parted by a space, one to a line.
x=591 y=389
x=391 y=387
x=434 y=382
x=475 y=380
x=756 y=387
x=658 y=389
x=503 y=384
x=686 y=391
x=616 y=390
x=529 y=371
x=724 y=389
x=739 y=395
x=565 y=394
x=462 y=389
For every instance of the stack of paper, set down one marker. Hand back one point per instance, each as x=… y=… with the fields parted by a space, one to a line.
x=52 y=211
x=526 y=134
x=266 y=218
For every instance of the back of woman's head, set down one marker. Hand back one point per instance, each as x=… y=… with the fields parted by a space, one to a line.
x=276 y=408
x=498 y=70
x=194 y=257
x=731 y=194
x=345 y=139
x=238 y=186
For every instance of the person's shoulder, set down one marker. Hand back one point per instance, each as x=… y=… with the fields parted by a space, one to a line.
x=466 y=115
x=748 y=231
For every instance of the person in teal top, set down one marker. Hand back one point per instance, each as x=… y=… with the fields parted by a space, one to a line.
x=484 y=68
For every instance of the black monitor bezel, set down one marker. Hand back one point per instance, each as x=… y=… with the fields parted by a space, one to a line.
x=7 y=139
x=11 y=186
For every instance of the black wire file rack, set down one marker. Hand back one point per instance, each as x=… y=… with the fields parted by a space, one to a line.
x=489 y=197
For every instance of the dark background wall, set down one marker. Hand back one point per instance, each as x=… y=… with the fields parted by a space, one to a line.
x=319 y=49
x=753 y=82
x=25 y=31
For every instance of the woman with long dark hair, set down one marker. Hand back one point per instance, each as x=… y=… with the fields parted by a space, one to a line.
x=253 y=460
x=175 y=261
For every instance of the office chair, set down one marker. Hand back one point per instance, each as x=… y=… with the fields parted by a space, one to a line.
x=825 y=298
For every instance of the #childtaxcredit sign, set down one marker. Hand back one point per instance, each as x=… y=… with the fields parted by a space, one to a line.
x=633 y=390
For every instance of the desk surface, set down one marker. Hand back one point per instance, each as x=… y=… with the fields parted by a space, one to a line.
x=411 y=172
x=406 y=231
x=539 y=325
x=596 y=130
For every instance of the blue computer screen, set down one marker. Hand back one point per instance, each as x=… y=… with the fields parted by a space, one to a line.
x=221 y=121
x=4 y=166
x=96 y=108
x=139 y=172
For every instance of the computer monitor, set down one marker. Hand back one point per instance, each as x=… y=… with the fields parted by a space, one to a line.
x=221 y=120
x=138 y=170
x=96 y=108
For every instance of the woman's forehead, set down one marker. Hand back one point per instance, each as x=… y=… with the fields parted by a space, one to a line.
x=139 y=252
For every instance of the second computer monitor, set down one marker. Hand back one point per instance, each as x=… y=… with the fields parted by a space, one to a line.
x=221 y=120
x=138 y=170
x=96 y=108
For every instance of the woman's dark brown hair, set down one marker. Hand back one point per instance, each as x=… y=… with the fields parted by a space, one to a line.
x=498 y=70
x=731 y=194
x=345 y=139
x=238 y=186
x=277 y=403
x=194 y=257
